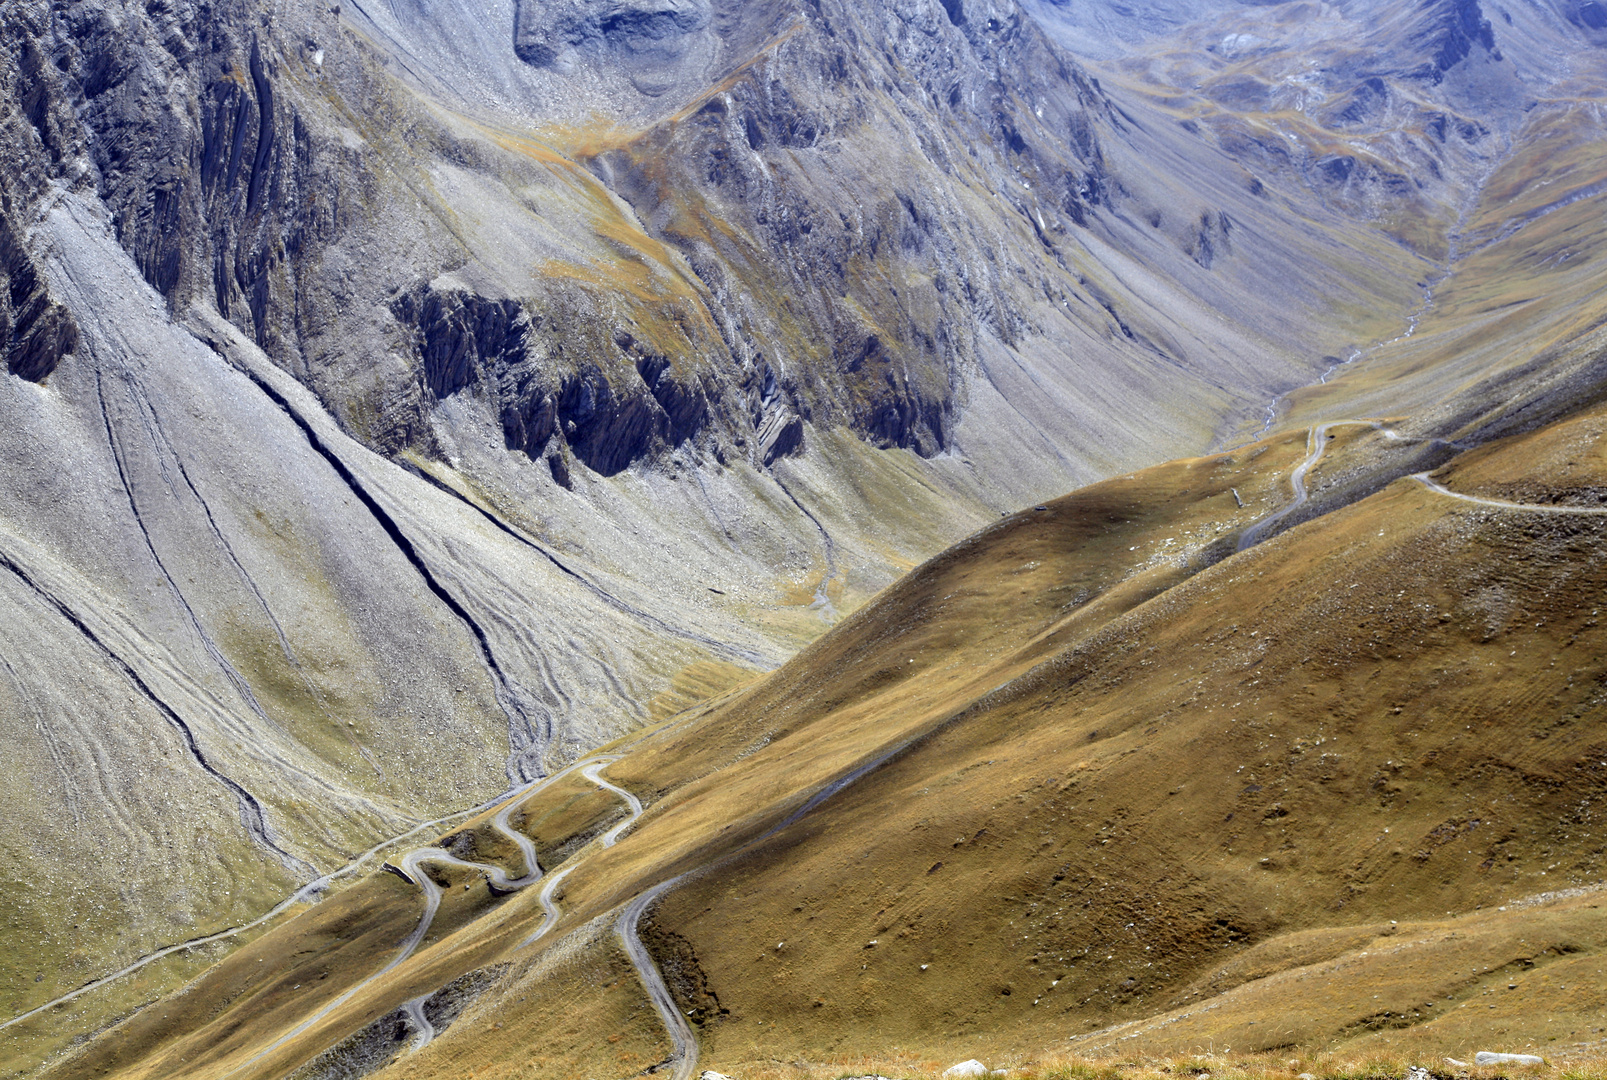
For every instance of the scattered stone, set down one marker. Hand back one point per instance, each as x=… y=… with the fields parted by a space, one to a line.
x=1305 y=1076
x=965 y=1069
x=1417 y=1072
x=1489 y=1057
x=710 y=1074
x=1457 y=1064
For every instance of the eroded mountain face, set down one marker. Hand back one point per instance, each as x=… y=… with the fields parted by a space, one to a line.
x=654 y=45
x=1392 y=113
x=403 y=398
x=808 y=228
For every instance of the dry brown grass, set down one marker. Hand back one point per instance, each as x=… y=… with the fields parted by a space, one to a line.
x=1212 y=1065
x=1134 y=782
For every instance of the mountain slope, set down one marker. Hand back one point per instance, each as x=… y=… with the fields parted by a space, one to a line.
x=1386 y=112
x=382 y=429
x=1087 y=767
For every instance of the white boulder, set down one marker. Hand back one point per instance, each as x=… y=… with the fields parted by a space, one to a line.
x=1489 y=1057
x=965 y=1069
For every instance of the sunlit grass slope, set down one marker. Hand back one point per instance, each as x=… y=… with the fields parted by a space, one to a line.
x=1109 y=773
x=1389 y=714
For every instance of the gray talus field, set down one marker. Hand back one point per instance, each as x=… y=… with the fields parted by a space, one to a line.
x=243 y=638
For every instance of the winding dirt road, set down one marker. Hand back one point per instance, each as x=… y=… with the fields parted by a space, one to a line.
x=685 y=1052
x=1316 y=445
x=590 y=768
x=412 y=865
x=682 y=1038
x=305 y=894
x=590 y=772
x=1502 y=504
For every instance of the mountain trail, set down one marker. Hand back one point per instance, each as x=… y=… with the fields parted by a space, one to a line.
x=1504 y=504
x=682 y=1038
x=306 y=894
x=411 y=869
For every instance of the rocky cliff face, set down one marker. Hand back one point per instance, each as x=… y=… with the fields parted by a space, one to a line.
x=754 y=158
x=794 y=213
x=35 y=330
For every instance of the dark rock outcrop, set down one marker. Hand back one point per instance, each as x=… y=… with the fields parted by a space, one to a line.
x=41 y=144
x=35 y=331
x=609 y=425
x=1210 y=239
x=685 y=406
x=606 y=429
x=780 y=433
x=650 y=39
x=1454 y=28
x=1364 y=104
x=529 y=415
x=1591 y=14
x=608 y=420
x=462 y=336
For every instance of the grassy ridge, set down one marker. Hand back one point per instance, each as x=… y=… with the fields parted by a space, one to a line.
x=1141 y=783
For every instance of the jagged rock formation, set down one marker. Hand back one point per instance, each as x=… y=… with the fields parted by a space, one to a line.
x=35 y=331
x=234 y=188
x=648 y=42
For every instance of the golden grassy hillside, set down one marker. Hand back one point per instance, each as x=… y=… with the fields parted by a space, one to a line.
x=1118 y=792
